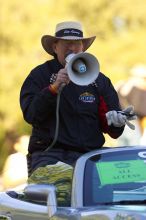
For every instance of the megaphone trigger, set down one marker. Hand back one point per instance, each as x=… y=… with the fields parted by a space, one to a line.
x=82 y=68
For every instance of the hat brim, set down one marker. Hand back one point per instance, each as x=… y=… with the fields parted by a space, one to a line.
x=48 y=40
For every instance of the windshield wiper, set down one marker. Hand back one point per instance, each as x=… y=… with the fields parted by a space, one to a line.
x=126 y=202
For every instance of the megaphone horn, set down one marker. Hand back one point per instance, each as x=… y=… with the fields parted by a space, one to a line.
x=82 y=68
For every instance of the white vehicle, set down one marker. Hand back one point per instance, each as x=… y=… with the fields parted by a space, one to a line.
x=109 y=183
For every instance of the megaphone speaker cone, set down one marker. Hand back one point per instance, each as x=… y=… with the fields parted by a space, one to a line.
x=83 y=68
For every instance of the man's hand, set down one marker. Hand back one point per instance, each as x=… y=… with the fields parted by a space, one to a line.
x=119 y=119
x=62 y=79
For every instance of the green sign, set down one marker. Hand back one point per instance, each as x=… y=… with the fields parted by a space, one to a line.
x=121 y=171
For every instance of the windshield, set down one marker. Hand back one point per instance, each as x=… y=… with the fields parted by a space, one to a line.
x=115 y=176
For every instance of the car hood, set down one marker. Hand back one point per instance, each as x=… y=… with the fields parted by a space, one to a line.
x=101 y=213
x=106 y=212
x=130 y=212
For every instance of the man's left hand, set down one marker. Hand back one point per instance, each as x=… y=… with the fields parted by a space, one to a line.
x=119 y=119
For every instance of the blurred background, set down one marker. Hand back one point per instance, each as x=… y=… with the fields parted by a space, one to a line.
x=120 y=29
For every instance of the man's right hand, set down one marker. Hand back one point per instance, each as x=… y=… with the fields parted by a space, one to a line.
x=62 y=79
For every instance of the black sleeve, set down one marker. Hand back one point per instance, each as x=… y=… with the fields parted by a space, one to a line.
x=108 y=92
x=109 y=101
x=36 y=100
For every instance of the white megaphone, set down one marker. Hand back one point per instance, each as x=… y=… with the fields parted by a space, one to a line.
x=82 y=68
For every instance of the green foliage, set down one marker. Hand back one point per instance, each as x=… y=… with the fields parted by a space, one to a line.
x=118 y=24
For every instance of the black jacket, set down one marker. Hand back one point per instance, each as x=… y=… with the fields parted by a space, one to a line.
x=82 y=110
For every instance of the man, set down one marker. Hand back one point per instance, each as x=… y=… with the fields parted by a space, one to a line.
x=81 y=122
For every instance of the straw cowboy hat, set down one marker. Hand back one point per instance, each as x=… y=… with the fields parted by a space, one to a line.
x=69 y=30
